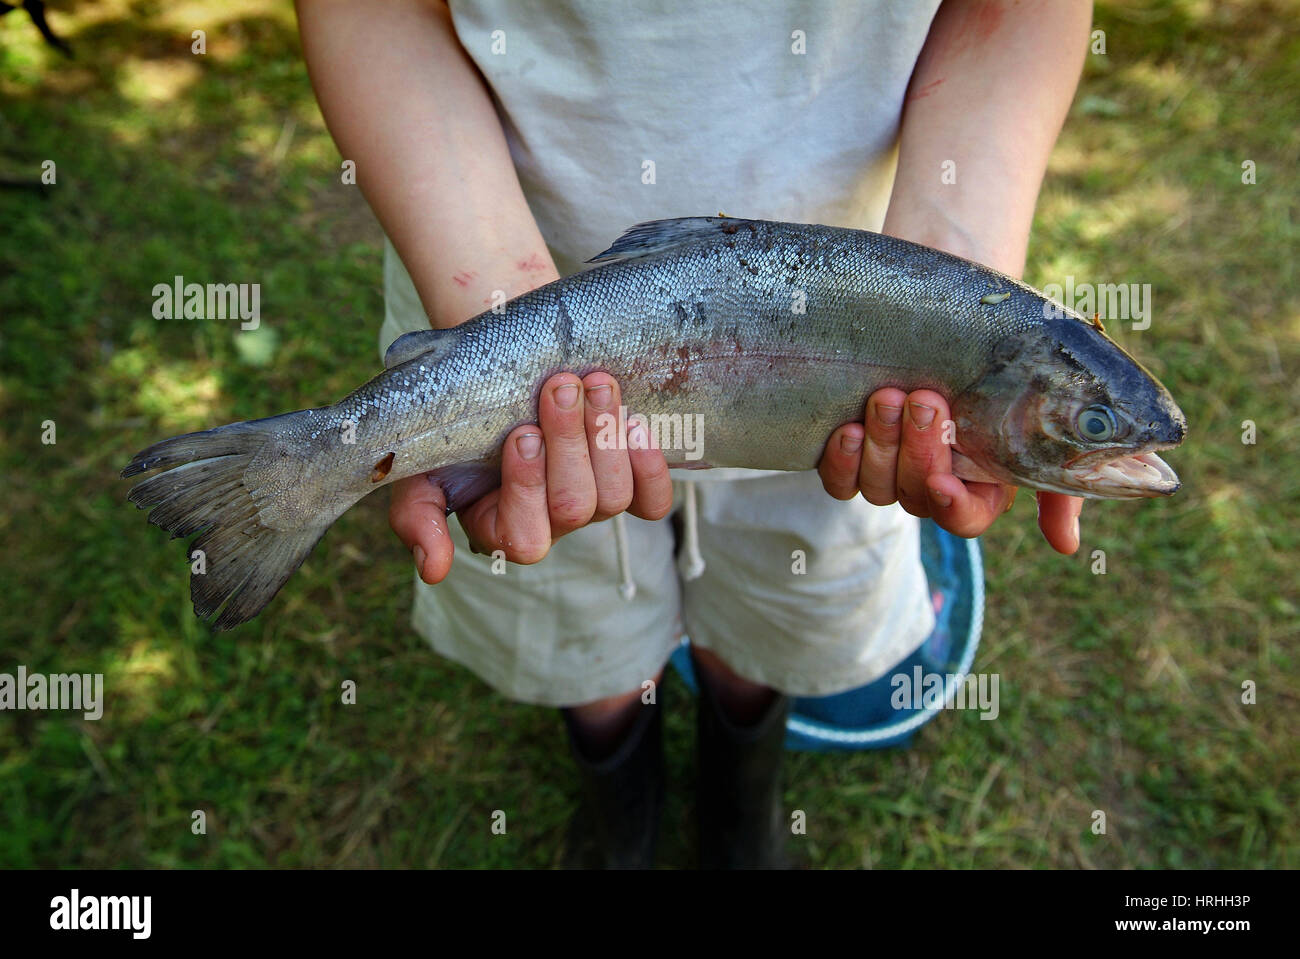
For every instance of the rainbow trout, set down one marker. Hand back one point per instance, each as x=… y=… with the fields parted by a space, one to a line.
x=768 y=335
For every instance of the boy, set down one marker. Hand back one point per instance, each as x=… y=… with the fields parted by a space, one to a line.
x=502 y=144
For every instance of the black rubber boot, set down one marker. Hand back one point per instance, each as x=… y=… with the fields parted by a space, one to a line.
x=623 y=794
x=738 y=791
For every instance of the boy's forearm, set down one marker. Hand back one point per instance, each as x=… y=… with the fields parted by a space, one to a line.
x=404 y=102
x=989 y=94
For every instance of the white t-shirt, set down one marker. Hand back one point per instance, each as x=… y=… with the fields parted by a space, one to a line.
x=618 y=112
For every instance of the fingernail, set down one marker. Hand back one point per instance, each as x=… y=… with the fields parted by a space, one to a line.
x=599 y=396
x=850 y=444
x=529 y=445
x=566 y=397
x=940 y=497
x=419 y=560
x=889 y=415
x=922 y=416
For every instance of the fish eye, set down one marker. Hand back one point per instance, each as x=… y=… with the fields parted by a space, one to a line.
x=1096 y=424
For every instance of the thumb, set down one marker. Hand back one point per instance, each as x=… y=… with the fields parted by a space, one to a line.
x=418 y=515
x=1058 y=518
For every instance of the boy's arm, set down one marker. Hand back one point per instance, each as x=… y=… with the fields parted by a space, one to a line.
x=405 y=103
x=988 y=96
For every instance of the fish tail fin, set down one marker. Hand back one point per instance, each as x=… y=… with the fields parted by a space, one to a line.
x=214 y=484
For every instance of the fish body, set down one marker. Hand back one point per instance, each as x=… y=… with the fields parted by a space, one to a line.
x=763 y=336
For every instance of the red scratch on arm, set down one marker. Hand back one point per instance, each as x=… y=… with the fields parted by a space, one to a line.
x=463 y=278
x=952 y=36
x=533 y=264
x=926 y=90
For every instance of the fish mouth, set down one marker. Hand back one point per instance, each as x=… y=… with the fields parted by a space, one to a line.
x=1123 y=474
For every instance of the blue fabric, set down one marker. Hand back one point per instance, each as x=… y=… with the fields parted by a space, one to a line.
x=864 y=718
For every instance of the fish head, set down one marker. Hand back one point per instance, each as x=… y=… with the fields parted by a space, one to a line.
x=1064 y=408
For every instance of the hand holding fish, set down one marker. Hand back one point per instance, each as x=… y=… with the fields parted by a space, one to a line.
x=556 y=477
x=899 y=454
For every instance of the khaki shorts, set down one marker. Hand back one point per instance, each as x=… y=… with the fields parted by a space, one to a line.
x=797 y=590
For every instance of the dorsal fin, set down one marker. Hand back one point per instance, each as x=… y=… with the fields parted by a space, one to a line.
x=656 y=236
x=410 y=345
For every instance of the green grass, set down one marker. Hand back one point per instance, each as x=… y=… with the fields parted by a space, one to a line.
x=1119 y=692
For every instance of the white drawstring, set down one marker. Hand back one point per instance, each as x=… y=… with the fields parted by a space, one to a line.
x=626 y=586
x=691 y=562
